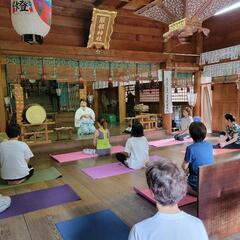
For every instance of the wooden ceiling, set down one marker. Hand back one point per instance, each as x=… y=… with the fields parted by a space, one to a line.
x=71 y=23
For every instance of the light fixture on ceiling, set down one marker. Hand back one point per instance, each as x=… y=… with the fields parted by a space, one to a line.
x=184 y=17
x=227 y=9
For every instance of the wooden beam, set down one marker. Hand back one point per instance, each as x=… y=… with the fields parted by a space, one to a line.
x=122 y=3
x=20 y=48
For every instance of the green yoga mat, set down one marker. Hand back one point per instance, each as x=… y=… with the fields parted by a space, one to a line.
x=38 y=176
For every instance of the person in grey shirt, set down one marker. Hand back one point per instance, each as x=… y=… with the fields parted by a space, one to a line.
x=185 y=123
x=168 y=184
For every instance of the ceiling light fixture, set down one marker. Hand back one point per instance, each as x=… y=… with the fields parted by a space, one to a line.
x=227 y=9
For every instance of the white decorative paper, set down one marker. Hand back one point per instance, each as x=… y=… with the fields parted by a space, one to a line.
x=222 y=69
x=216 y=56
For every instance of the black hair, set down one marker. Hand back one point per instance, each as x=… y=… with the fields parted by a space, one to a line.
x=13 y=131
x=188 y=110
x=230 y=117
x=102 y=122
x=198 y=131
x=137 y=130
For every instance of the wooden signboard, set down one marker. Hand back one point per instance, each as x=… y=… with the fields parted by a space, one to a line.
x=18 y=94
x=101 y=29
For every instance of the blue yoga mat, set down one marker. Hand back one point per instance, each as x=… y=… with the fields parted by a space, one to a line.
x=32 y=201
x=103 y=225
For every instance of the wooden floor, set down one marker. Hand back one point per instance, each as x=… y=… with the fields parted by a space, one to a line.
x=114 y=193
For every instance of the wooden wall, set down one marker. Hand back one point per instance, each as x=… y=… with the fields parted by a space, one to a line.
x=225 y=31
x=226 y=99
x=130 y=32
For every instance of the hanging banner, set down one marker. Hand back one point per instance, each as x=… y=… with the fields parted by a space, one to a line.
x=101 y=29
x=168 y=108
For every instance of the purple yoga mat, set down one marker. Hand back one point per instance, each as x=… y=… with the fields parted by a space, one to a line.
x=112 y=169
x=32 y=201
x=108 y=170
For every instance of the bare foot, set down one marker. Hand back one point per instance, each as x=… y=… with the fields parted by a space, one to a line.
x=16 y=182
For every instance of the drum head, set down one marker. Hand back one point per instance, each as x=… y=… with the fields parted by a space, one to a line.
x=36 y=114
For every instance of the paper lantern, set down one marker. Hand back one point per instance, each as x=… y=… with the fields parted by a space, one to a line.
x=31 y=19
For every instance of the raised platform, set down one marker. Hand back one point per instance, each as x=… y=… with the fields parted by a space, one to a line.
x=62 y=146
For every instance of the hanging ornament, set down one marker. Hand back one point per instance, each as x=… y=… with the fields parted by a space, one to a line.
x=22 y=75
x=43 y=77
x=31 y=19
x=137 y=83
x=110 y=78
x=80 y=78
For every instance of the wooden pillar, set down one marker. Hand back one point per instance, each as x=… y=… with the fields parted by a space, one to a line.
x=95 y=103
x=197 y=89
x=167 y=118
x=2 y=95
x=122 y=104
x=197 y=78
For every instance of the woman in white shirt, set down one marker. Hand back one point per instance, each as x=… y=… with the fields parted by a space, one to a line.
x=185 y=123
x=136 y=150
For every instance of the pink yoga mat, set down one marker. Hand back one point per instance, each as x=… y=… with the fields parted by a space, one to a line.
x=117 y=149
x=75 y=156
x=70 y=157
x=146 y=193
x=168 y=142
x=108 y=170
x=217 y=152
x=156 y=158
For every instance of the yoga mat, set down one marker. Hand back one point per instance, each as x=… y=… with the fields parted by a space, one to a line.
x=156 y=158
x=217 y=152
x=146 y=193
x=104 y=225
x=108 y=170
x=38 y=176
x=32 y=201
x=75 y=156
x=168 y=142
x=117 y=149
x=70 y=157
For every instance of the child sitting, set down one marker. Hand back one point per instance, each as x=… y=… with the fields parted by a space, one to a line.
x=198 y=154
x=185 y=123
x=168 y=185
x=136 y=149
x=14 y=158
x=101 y=139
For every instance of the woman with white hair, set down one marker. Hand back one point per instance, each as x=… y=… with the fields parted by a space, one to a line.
x=169 y=185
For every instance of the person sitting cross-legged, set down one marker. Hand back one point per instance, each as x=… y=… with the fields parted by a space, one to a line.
x=168 y=184
x=231 y=138
x=198 y=154
x=14 y=158
x=136 y=150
